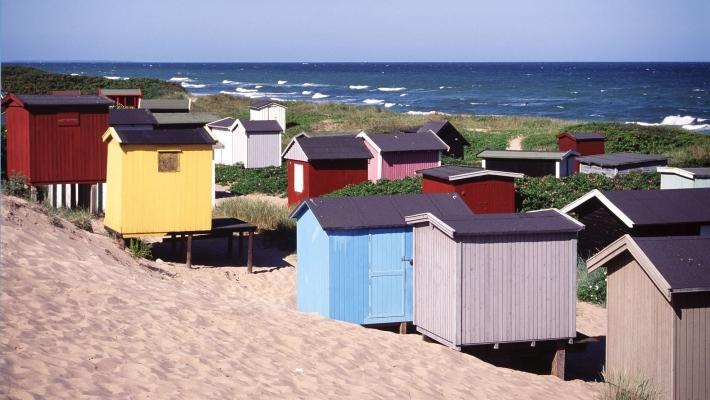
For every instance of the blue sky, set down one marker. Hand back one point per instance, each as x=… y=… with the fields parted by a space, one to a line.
x=362 y=30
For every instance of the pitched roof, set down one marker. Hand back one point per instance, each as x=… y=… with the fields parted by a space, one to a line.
x=380 y=211
x=197 y=118
x=330 y=147
x=527 y=155
x=120 y=92
x=405 y=141
x=224 y=123
x=432 y=125
x=130 y=116
x=453 y=173
x=266 y=126
x=584 y=136
x=165 y=104
x=621 y=159
x=675 y=264
x=164 y=136
x=259 y=104
x=652 y=207
x=57 y=100
x=535 y=222
x=691 y=173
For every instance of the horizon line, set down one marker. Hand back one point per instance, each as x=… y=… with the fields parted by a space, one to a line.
x=352 y=62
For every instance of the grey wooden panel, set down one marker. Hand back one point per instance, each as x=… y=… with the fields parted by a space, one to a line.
x=692 y=346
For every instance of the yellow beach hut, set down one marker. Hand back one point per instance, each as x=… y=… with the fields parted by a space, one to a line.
x=159 y=181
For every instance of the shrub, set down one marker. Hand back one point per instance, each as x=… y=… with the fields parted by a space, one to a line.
x=410 y=185
x=591 y=287
x=540 y=142
x=623 y=387
x=271 y=219
x=140 y=248
x=548 y=192
x=16 y=186
x=78 y=217
x=271 y=180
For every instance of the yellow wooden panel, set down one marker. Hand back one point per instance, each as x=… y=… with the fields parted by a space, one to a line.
x=114 y=183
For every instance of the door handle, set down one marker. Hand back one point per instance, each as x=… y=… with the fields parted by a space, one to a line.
x=409 y=260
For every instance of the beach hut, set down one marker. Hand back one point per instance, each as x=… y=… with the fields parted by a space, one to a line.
x=318 y=165
x=131 y=118
x=124 y=97
x=399 y=155
x=354 y=254
x=54 y=142
x=448 y=133
x=530 y=163
x=159 y=181
x=658 y=310
x=610 y=215
x=484 y=191
x=495 y=278
x=684 y=178
x=166 y=105
x=254 y=144
x=614 y=164
x=183 y=120
x=584 y=143
x=264 y=110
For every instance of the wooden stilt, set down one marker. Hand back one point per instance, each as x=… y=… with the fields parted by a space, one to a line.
x=173 y=244
x=240 y=252
x=188 y=254
x=250 y=252
x=402 y=328
x=558 y=362
x=230 y=244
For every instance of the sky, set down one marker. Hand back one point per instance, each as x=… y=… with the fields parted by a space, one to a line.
x=361 y=30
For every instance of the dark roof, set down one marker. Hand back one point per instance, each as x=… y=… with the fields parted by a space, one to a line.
x=584 y=136
x=130 y=116
x=333 y=147
x=223 y=123
x=431 y=125
x=684 y=262
x=259 y=104
x=526 y=155
x=165 y=104
x=621 y=159
x=261 y=126
x=60 y=100
x=381 y=211
x=662 y=207
x=459 y=172
x=120 y=92
x=545 y=221
x=165 y=136
x=403 y=141
x=692 y=173
x=699 y=172
x=188 y=118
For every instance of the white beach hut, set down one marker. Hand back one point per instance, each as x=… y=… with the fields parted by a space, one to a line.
x=254 y=144
x=264 y=110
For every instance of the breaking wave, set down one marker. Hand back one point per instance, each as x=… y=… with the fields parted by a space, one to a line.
x=358 y=87
x=391 y=89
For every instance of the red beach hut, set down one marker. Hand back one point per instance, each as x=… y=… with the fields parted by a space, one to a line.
x=584 y=143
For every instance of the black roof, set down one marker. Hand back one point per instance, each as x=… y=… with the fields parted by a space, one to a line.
x=622 y=159
x=407 y=141
x=683 y=261
x=447 y=171
x=130 y=116
x=381 y=211
x=165 y=136
x=661 y=207
x=59 y=100
x=699 y=172
x=546 y=221
x=223 y=123
x=261 y=126
x=259 y=104
x=339 y=147
x=432 y=125
x=584 y=136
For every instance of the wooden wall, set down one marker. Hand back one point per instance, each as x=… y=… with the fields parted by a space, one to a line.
x=323 y=177
x=527 y=167
x=402 y=164
x=692 y=346
x=484 y=195
x=263 y=150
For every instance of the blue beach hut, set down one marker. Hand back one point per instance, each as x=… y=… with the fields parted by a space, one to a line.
x=354 y=254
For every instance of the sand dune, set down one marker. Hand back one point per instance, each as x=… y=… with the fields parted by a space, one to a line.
x=82 y=318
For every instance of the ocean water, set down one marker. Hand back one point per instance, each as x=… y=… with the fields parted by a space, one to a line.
x=640 y=92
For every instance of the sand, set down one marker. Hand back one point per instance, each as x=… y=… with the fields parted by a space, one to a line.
x=81 y=318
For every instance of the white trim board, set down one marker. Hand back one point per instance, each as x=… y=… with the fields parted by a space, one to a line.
x=595 y=193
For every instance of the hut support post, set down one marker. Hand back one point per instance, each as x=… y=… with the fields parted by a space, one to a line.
x=558 y=361
x=230 y=243
x=402 y=328
x=240 y=251
x=173 y=244
x=188 y=255
x=250 y=252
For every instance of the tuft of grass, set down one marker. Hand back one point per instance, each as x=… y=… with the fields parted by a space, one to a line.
x=271 y=219
x=78 y=217
x=591 y=287
x=16 y=185
x=140 y=248
x=624 y=387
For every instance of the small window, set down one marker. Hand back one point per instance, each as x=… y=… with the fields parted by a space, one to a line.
x=298 y=178
x=168 y=161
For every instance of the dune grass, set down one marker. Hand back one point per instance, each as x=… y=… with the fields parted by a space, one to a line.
x=271 y=219
x=624 y=387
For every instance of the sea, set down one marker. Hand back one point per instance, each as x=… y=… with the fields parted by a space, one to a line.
x=647 y=93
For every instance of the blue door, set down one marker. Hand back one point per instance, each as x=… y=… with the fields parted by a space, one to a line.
x=389 y=276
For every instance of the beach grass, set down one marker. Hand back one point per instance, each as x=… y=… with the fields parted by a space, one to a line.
x=271 y=219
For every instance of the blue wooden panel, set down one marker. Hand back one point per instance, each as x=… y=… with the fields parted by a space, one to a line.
x=312 y=272
x=386 y=275
x=348 y=284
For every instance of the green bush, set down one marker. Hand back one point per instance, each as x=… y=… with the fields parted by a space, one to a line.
x=540 y=142
x=16 y=186
x=411 y=185
x=550 y=192
x=271 y=180
x=591 y=287
x=480 y=141
x=140 y=248
x=271 y=219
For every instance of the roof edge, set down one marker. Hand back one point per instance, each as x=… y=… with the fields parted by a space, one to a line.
x=431 y=219
x=595 y=193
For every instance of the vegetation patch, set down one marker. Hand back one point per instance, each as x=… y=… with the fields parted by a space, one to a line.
x=411 y=185
x=271 y=219
x=76 y=216
x=624 y=387
x=140 y=248
x=16 y=185
x=591 y=287
x=271 y=180
x=549 y=192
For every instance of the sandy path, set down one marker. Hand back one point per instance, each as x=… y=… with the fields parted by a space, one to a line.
x=515 y=143
x=81 y=318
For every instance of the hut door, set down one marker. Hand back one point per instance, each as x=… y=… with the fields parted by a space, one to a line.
x=387 y=273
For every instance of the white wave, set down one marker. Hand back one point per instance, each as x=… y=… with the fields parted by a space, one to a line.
x=228 y=82
x=74 y=74
x=180 y=79
x=125 y=78
x=391 y=89
x=602 y=90
x=190 y=85
x=281 y=82
x=307 y=92
x=242 y=90
x=678 y=120
x=373 y=101
x=426 y=113
x=227 y=92
x=403 y=94
x=113 y=78
x=258 y=87
x=277 y=99
x=560 y=107
x=445 y=87
x=358 y=87
x=475 y=104
x=698 y=90
x=388 y=105
x=574 y=92
x=319 y=96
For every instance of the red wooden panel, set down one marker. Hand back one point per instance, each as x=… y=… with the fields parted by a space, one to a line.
x=486 y=195
x=18 y=141
x=323 y=177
